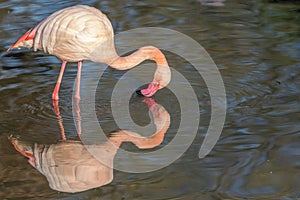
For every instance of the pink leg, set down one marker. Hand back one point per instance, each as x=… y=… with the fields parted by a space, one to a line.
x=57 y=86
x=77 y=98
x=59 y=120
x=77 y=91
x=78 y=117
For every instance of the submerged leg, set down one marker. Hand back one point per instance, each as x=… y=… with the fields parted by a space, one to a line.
x=77 y=99
x=59 y=120
x=77 y=91
x=78 y=117
x=57 y=86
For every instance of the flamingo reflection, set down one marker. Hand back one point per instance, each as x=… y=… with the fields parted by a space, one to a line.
x=69 y=167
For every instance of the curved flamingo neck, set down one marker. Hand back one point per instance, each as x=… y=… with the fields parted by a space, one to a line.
x=162 y=75
x=144 y=53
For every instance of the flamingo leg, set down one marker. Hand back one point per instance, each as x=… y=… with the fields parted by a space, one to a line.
x=59 y=120
x=78 y=117
x=77 y=91
x=58 y=82
x=77 y=99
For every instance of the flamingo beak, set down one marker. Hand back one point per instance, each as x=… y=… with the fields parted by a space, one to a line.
x=150 y=91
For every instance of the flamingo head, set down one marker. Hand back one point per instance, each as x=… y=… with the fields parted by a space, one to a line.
x=149 y=91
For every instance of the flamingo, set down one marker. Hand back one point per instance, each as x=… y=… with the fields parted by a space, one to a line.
x=82 y=32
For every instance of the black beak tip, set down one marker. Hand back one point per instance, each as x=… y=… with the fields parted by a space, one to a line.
x=139 y=92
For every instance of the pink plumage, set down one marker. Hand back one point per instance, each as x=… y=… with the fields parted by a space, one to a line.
x=82 y=33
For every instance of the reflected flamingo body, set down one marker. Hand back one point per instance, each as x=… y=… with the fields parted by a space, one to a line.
x=72 y=166
x=82 y=33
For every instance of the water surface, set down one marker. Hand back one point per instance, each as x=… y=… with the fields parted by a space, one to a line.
x=256 y=46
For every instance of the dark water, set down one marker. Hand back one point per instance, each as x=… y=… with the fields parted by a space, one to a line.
x=256 y=46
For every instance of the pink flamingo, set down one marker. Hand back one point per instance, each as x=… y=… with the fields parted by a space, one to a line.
x=82 y=33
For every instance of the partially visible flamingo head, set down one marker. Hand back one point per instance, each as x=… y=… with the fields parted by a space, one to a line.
x=149 y=91
x=162 y=78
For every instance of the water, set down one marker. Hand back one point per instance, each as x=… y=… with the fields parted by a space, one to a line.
x=256 y=46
